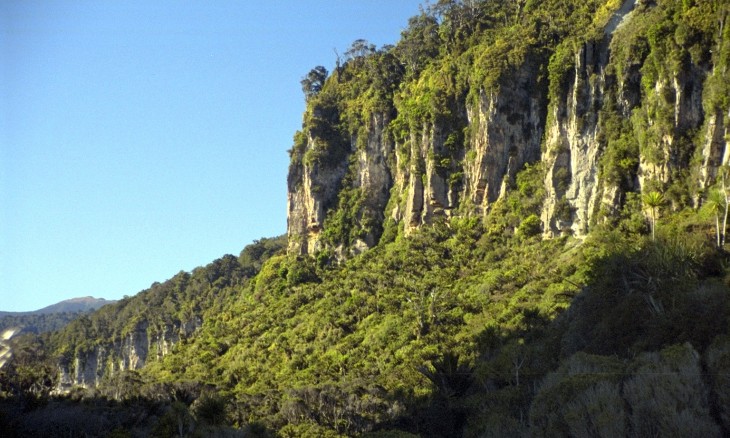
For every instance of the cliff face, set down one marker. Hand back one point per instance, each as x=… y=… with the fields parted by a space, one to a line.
x=426 y=191
x=508 y=127
x=313 y=187
x=142 y=344
x=321 y=159
x=715 y=151
x=137 y=331
x=628 y=114
x=573 y=152
x=374 y=175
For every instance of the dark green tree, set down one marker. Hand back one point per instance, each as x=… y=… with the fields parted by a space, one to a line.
x=313 y=82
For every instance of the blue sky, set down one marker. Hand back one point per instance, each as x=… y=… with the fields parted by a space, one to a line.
x=141 y=138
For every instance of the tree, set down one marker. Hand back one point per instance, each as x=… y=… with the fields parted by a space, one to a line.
x=653 y=200
x=210 y=408
x=450 y=376
x=359 y=49
x=419 y=42
x=716 y=204
x=30 y=373
x=313 y=82
x=177 y=422
x=718 y=201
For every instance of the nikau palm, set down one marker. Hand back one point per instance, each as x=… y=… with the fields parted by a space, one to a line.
x=653 y=200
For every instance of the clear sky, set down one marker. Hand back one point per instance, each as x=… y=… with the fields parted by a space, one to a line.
x=141 y=138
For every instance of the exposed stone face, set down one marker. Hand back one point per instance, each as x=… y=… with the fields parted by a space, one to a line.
x=88 y=373
x=141 y=345
x=314 y=187
x=575 y=145
x=573 y=152
x=682 y=93
x=517 y=123
x=427 y=193
x=312 y=190
x=508 y=127
x=375 y=173
x=715 y=150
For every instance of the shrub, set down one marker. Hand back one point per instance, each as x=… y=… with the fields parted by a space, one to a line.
x=530 y=226
x=667 y=396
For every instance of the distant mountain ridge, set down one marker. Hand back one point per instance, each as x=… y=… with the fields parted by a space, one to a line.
x=79 y=304
x=53 y=317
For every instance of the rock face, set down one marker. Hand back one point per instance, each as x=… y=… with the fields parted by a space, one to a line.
x=142 y=344
x=621 y=119
x=508 y=127
x=315 y=180
x=374 y=175
x=96 y=348
x=715 y=151
x=312 y=189
x=573 y=152
x=427 y=192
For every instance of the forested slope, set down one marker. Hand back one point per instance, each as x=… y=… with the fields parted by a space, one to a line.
x=510 y=223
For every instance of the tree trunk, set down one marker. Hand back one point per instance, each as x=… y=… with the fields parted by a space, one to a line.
x=717 y=228
x=653 y=224
x=724 y=223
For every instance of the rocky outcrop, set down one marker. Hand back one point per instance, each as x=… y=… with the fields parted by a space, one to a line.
x=374 y=175
x=430 y=179
x=426 y=193
x=610 y=124
x=573 y=151
x=680 y=96
x=313 y=188
x=142 y=344
x=715 y=150
x=508 y=127
x=716 y=138
x=366 y=161
x=574 y=144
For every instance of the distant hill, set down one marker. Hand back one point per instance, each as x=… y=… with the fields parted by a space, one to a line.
x=53 y=317
x=81 y=304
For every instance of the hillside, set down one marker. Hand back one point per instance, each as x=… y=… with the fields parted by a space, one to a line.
x=510 y=223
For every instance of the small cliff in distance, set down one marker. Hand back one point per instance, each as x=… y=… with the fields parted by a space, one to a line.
x=603 y=103
x=142 y=329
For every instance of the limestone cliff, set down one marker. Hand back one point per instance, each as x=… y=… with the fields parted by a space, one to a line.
x=313 y=188
x=715 y=151
x=573 y=141
x=572 y=156
x=508 y=127
x=622 y=109
x=142 y=344
x=140 y=330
